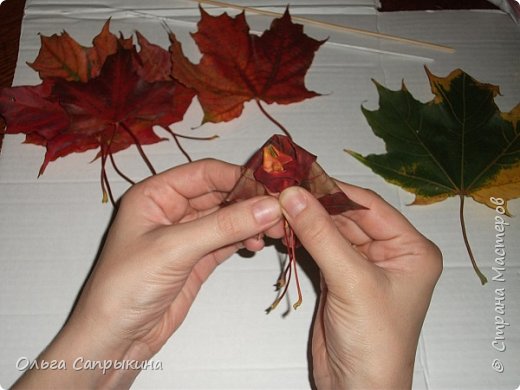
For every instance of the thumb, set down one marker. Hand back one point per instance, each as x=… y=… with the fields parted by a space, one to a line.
x=338 y=261
x=227 y=226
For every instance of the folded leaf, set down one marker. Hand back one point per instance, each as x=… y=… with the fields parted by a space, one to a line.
x=277 y=165
x=296 y=167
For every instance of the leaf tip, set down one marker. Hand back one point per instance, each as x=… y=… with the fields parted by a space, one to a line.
x=203 y=14
x=380 y=87
x=403 y=86
x=43 y=166
x=106 y=25
x=376 y=83
x=355 y=154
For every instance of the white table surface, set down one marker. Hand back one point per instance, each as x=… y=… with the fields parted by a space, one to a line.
x=51 y=227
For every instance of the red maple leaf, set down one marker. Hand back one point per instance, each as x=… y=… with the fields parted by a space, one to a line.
x=237 y=66
x=33 y=111
x=107 y=96
x=112 y=111
x=155 y=61
x=61 y=56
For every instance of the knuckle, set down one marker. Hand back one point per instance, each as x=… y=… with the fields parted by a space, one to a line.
x=226 y=224
x=437 y=261
x=127 y=198
x=432 y=258
x=373 y=195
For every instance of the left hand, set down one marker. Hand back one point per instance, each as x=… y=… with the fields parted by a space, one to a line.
x=169 y=234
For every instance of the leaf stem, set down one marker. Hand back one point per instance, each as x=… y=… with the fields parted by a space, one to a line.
x=119 y=172
x=177 y=136
x=481 y=276
x=139 y=148
x=183 y=151
x=280 y=126
x=109 y=190
x=292 y=256
x=282 y=285
x=105 y=185
x=210 y=138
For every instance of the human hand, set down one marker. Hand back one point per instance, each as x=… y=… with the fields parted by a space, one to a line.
x=377 y=278
x=169 y=234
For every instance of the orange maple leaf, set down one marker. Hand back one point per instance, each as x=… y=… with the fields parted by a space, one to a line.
x=237 y=66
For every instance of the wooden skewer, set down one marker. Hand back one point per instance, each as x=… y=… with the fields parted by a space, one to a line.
x=333 y=26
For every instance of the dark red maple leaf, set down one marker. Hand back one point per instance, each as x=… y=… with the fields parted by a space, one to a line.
x=237 y=66
x=107 y=96
x=110 y=112
x=33 y=111
x=278 y=164
x=113 y=111
x=109 y=108
x=2 y=133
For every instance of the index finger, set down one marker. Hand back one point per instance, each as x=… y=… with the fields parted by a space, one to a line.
x=165 y=198
x=200 y=177
x=208 y=179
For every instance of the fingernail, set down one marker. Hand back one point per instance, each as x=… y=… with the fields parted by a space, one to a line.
x=266 y=210
x=293 y=201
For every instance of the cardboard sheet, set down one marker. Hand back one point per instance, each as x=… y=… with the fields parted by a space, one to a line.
x=51 y=228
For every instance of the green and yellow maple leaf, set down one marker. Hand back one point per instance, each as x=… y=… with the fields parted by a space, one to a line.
x=457 y=144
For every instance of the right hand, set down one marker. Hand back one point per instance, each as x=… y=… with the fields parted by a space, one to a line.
x=377 y=278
